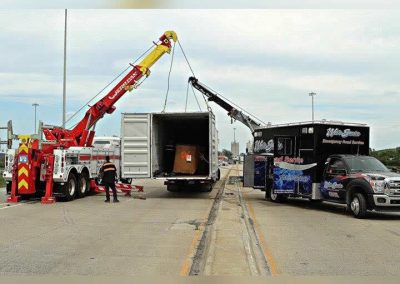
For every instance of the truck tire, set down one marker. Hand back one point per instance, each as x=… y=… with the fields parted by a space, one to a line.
x=275 y=197
x=173 y=188
x=267 y=193
x=358 y=206
x=69 y=188
x=83 y=185
x=206 y=188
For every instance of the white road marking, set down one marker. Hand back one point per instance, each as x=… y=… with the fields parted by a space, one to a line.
x=11 y=206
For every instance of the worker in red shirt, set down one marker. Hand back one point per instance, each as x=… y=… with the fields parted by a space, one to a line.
x=108 y=173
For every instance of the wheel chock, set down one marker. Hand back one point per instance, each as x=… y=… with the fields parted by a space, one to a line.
x=13 y=199
x=48 y=200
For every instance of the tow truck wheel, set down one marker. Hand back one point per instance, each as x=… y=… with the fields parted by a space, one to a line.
x=69 y=188
x=83 y=183
x=358 y=205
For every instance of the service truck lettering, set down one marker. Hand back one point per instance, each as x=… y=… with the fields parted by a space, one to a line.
x=289 y=160
x=331 y=132
x=333 y=185
x=117 y=91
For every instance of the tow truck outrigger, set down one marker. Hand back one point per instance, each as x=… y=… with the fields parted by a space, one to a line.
x=65 y=160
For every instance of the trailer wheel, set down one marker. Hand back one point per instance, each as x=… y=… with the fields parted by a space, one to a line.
x=83 y=185
x=206 y=187
x=69 y=188
x=358 y=206
x=173 y=188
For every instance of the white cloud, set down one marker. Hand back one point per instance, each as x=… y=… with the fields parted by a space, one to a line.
x=264 y=60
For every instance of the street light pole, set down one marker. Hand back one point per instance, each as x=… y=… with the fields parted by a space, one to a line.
x=312 y=94
x=35 y=105
x=65 y=71
x=234 y=134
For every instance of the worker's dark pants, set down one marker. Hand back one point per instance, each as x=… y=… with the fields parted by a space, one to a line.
x=107 y=185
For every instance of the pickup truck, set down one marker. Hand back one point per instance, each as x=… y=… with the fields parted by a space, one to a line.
x=361 y=182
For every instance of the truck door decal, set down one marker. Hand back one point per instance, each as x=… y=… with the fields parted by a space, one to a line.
x=292 y=178
x=334 y=176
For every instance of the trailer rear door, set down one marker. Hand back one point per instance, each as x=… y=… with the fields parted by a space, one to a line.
x=248 y=170
x=213 y=150
x=135 y=145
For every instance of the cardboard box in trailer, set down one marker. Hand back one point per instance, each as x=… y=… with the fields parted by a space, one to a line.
x=321 y=160
x=181 y=148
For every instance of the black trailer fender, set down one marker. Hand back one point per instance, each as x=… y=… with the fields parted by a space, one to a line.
x=359 y=186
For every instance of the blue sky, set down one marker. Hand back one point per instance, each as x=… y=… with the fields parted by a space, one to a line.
x=267 y=61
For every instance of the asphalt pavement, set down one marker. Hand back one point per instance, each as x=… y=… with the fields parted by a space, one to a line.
x=155 y=236
x=302 y=238
x=164 y=233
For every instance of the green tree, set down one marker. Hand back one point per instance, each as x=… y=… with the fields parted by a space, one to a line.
x=227 y=153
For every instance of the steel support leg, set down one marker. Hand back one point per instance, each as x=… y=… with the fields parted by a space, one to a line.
x=48 y=198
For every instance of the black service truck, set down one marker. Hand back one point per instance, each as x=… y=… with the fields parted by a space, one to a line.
x=321 y=161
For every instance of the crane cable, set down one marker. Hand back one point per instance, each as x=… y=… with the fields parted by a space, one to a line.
x=197 y=101
x=169 y=77
x=184 y=54
x=187 y=90
x=102 y=90
x=194 y=94
x=187 y=95
x=206 y=102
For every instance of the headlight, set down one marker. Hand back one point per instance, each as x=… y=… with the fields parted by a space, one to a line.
x=378 y=185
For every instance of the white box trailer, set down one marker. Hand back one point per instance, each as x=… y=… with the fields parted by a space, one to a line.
x=148 y=138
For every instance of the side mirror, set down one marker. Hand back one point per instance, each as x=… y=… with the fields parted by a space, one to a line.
x=339 y=172
x=336 y=171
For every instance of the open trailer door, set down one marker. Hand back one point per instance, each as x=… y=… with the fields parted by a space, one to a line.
x=135 y=145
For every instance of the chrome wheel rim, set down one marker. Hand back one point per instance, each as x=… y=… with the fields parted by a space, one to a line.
x=71 y=187
x=273 y=195
x=355 y=206
x=83 y=185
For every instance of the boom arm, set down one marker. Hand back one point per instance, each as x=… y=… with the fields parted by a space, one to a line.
x=80 y=134
x=232 y=111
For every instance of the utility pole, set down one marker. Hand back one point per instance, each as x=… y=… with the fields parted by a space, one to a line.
x=65 y=72
x=312 y=94
x=234 y=134
x=35 y=105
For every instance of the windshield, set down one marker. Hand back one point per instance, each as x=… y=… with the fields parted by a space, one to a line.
x=365 y=164
x=102 y=142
